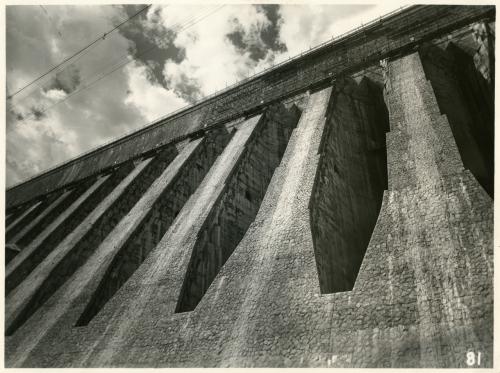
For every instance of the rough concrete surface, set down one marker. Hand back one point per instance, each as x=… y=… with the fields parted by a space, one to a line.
x=24 y=214
x=41 y=244
x=348 y=225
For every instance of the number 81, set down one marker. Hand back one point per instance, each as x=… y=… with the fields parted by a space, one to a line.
x=471 y=358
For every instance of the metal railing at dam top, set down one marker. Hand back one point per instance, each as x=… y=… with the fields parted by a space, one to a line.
x=367 y=43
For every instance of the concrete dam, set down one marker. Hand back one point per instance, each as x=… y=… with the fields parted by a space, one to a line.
x=333 y=211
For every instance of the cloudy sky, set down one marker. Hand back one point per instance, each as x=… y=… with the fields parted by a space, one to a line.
x=165 y=58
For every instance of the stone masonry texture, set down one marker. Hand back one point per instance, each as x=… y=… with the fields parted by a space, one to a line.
x=90 y=241
x=336 y=211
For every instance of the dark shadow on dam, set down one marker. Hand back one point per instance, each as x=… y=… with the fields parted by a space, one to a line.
x=22 y=242
x=466 y=98
x=87 y=245
x=43 y=250
x=151 y=230
x=46 y=202
x=52 y=215
x=350 y=181
x=15 y=212
x=238 y=203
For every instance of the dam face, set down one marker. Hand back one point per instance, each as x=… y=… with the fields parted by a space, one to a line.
x=336 y=211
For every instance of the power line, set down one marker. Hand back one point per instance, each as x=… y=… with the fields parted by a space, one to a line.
x=177 y=27
x=42 y=84
x=79 y=52
x=182 y=26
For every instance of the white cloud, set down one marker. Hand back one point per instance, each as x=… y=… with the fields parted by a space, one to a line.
x=36 y=144
x=210 y=57
x=152 y=101
x=55 y=94
x=306 y=26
